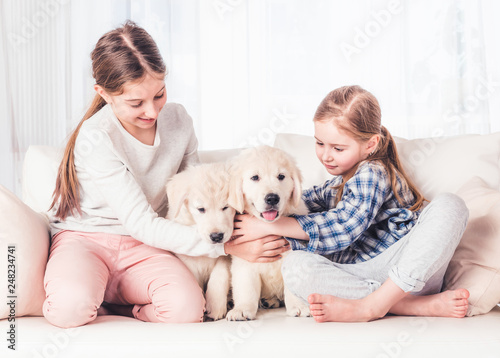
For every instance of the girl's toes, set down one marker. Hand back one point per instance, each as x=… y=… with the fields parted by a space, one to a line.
x=316 y=306
x=314 y=298
x=320 y=318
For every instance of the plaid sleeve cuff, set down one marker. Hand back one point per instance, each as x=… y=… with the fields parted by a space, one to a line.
x=297 y=244
x=310 y=227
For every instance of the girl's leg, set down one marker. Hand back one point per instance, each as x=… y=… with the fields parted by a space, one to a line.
x=75 y=280
x=342 y=292
x=420 y=261
x=305 y=273
x=158 y=284
x=445 y=218
x=430 y=246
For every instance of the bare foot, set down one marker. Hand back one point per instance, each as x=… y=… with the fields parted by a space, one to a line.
x=326 y=308
x=451 y=303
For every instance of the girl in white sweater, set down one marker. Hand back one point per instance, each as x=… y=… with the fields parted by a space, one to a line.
x=108 y=228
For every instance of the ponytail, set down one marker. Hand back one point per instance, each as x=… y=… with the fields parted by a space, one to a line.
x=67 y=191
x=387 y=154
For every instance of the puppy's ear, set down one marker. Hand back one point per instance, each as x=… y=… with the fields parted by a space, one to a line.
x=236 y=199
x=297 y=187
x=177 y=193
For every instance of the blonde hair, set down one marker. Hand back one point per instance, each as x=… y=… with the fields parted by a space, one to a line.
x=357 y=112
x=121 y=56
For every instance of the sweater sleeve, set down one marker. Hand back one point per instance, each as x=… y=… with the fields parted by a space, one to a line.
x=127 y=201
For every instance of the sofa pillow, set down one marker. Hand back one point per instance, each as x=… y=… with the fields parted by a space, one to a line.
x=445 y=164
x=40 y=167
x=28 y=232
x=476 y=262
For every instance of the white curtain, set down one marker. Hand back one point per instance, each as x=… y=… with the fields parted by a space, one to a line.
x=248 y=69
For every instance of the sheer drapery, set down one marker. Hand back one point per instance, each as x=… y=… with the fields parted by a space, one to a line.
x=248 y=69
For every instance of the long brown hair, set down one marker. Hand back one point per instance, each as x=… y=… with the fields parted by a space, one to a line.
x=123 y=55
x=357 y=112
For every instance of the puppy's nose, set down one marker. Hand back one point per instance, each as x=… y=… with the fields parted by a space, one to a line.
x=272 y=199
x=217 y=236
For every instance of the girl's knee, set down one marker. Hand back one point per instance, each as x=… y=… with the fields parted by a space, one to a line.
x=68 y=309
x=453 y=204
x=182 y=304
x=456 y=213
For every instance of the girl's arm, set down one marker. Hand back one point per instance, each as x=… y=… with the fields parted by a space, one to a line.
x=330 y=230
x=265 y=249
x=248 y=228
x=321 y=197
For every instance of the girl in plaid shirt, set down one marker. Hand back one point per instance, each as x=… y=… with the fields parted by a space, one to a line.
x=368 y=246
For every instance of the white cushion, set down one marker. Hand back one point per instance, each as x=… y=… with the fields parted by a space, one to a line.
x=28 y=232
x=446 y=164
x=39 y=176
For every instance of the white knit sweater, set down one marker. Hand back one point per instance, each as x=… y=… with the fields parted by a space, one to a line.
x=122 y=181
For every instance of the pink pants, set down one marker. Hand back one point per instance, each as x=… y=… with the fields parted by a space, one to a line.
x=85 y=269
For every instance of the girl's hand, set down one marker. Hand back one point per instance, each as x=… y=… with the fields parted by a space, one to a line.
x=266 y=249
x=248 y=228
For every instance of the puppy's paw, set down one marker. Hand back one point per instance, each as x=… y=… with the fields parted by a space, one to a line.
x=240 y=315
x=269 y=302
x=298 y=311
x=216 y=312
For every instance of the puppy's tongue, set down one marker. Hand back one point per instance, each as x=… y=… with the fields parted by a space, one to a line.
x=270 y=215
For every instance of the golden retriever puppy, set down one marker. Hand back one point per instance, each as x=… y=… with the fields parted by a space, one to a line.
x=199 y=196
x=265 y=183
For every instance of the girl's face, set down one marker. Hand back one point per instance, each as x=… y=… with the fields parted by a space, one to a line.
x=137 y=108
x=337 y=151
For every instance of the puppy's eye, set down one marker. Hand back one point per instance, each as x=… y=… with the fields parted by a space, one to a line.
x=281 y=177
x=201 y=210
x=255 y=178
x=224 y=208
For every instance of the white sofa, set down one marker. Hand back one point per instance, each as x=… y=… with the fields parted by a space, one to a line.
x=467 y=165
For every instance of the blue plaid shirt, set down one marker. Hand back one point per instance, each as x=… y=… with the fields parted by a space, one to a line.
x=364 y=223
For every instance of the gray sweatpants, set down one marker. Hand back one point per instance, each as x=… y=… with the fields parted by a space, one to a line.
x=416 y=263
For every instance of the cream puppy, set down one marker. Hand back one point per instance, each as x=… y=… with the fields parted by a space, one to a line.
x=199 y=196
x=265 y=183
